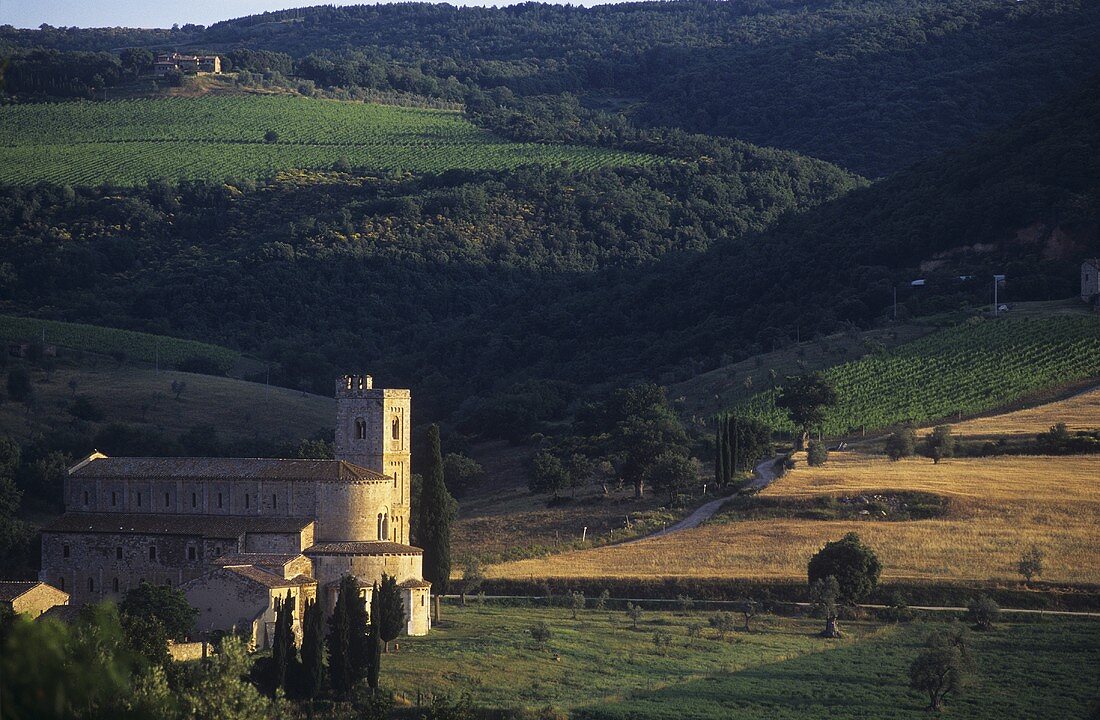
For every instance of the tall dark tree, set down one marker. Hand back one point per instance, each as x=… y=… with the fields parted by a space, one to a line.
x=374 y=637
x=313 y=650
x=392 y=610
x=720 y=451
x=347 y=640
x=806 y=398
x=437 y=509
x=284 y=654
x=164 y=603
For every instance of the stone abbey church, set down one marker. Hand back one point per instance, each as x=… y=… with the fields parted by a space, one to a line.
x=237 y=535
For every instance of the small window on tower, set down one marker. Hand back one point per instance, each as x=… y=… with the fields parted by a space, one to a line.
x=219 y=500
x=64 y=551
x=114 y=498
x=139 y=499
x=246 y=501
x=152 y=552
x=91 y=584
x=395 y=428
x=115 y=585
x=167 y=499
x=118 y=553
x=360 y=429
x=192 y=553
x=85 y=497
x=274 y=501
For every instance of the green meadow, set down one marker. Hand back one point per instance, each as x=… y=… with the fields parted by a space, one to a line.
x=599 y=666
x=127 y=142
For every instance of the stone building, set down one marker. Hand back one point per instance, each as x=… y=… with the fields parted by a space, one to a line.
x=187 y=64
x=30 y=597
x=174 y=521
x=1090 y=281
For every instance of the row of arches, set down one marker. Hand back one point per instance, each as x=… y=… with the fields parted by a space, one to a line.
x=361 y=429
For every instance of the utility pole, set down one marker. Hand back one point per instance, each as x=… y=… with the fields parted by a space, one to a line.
x=895 y=303
x=994 y=296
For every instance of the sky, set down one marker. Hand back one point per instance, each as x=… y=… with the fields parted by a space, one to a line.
x=158 y=13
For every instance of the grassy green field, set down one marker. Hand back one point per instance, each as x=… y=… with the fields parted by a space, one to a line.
x=140 y=346
x=598 y=666
x=971 y=368
x=129 y=141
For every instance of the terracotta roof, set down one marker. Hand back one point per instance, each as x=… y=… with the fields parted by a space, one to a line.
x=362 y=548
x=11 y=589
x=267 y=579
x=275 y=559
x=412 y=583
x=61 y=613
x=213 y=526
x=224 y=469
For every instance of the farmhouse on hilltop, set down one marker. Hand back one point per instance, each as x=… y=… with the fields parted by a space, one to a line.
x=187 y=64
x=236 y=534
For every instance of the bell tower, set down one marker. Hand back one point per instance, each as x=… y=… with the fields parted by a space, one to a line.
x=373 y=427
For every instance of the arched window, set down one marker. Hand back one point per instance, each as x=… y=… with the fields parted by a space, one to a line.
x=386 y=527
x=91 y=584
x=115 y=585
x=395 y=428
x=360 y=429
x=380 y=535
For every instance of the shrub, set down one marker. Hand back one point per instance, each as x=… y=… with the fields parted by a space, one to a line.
x=854 y=565
x=901 y=444
x=722 y=622
x=983 y=612
x=540 y=633
x=83 y=408
x=817 y=453
x=1031 y=563
x=271 y=136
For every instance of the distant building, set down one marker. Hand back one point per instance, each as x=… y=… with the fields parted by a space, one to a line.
x=30 y=597
x=187 y=64
x=1090 y=281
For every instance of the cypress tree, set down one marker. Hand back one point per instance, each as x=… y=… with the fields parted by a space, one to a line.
x=392 y=609
x=339 y=645
x=374 y=641
x=719 y=466
x=313 y=651
x=727 y=457
x=358 y=628
x=283 y=652
x=436 y=513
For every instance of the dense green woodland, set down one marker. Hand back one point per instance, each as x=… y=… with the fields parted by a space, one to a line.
x=871 y=86
x=464 y=283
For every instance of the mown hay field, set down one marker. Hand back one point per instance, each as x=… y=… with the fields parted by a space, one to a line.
x=997 y=507
x=127 y=142
x=1080 y=412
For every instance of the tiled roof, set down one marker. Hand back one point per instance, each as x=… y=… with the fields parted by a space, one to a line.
x=269 y=580
x=224 y=469
x=61 y=613
x=11 y=589
x=412 y=583
x=362 y=548
x=212 y=526
x=274 y=559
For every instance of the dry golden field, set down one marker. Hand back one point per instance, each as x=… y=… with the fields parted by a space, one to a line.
x=997 y=507
x=1080 y=412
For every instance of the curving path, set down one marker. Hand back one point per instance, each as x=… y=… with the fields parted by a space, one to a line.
x=762 y=476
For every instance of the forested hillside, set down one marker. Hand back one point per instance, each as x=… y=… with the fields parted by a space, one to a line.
x=464 y=284
x=873 y=87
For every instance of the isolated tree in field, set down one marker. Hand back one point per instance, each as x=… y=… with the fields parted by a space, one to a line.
x=313 y=650
x=901 y=444
x=940 y=443
x=817 y=453
x=825 y=596
x=634 y=612
x=722 y=622
x=392 y=619
x=854 y=565
x=437 y=509
x=672 y=473
x=601 y=600
x=806 y=398
x=983 y=611
x=576 y=602
x=163 y=603
x=942 y=667
x=1031 y=563
x=472 y=578
x=540 y=633
x=749 y=608
x=271 y=136
x=178 y=386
